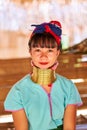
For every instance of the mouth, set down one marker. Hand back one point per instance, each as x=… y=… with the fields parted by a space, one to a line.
x=43 y=63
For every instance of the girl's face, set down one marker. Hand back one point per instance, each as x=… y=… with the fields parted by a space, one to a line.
x=44 y=57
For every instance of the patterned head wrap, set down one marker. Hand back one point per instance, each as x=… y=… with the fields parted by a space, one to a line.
x=53 y=27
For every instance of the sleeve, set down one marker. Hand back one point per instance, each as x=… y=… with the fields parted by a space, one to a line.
x=13 y=100
x=73 y=95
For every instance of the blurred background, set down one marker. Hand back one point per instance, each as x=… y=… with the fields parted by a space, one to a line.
x=16 y=17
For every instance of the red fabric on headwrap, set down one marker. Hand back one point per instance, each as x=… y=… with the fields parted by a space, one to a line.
x=57 y=23
x=57 y=38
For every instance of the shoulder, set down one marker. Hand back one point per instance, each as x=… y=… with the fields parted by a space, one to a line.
x=14 y=99
x=20 y=88
x=23 y=83
x=63 y=79
x=65 y=83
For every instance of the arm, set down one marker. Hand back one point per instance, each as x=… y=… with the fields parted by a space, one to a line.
x=70 y=117
x=20 y=120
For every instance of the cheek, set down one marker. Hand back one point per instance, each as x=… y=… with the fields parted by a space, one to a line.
x=36 y=55
x=54 y=57
x=33 y=55
x=35 y=59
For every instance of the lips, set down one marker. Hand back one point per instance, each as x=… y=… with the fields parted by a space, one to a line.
x=43 y=63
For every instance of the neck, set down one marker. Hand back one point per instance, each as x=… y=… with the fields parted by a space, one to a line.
x=43 y=76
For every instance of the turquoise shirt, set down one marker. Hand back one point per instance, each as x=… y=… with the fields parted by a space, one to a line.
x=44 y=111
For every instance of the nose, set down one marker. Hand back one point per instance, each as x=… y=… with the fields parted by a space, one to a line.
x=43 y=55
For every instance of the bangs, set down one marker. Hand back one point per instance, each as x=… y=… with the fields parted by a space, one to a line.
x=42 y=40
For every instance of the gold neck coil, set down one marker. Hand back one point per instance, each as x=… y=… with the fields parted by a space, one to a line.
x=43 y=76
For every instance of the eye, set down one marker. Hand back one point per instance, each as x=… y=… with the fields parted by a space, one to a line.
x=50 y=50
x=37 y=50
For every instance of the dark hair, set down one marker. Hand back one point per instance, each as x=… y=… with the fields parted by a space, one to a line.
x=43 y=40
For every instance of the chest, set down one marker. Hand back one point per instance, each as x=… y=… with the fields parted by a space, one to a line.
x=47 y=88
x=39 y=102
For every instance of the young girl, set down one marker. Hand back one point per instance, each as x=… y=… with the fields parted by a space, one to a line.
x=44 y=100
